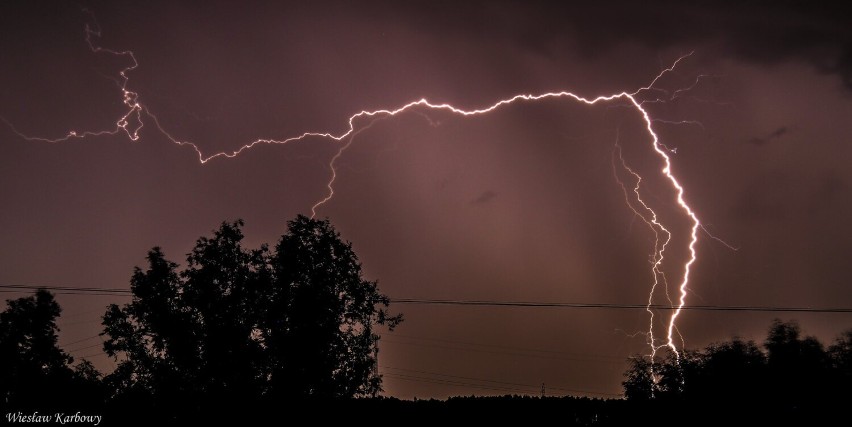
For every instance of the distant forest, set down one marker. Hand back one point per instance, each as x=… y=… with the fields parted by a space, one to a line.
x=249 y=333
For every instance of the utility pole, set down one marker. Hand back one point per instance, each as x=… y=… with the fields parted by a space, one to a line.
x=542 y=390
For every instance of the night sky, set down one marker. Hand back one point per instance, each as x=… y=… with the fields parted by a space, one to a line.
x=521 y=204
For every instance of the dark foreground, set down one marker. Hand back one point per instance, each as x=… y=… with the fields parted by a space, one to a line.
x=565 y=411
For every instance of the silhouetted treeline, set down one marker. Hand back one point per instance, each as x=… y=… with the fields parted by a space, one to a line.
x=788 y=378
x=34 y=373
x=235 y=327
x=243 y=335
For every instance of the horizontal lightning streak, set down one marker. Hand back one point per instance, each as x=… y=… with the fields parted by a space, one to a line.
x=131 y=123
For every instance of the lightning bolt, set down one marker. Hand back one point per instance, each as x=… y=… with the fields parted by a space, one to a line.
x=132 y=121
x=649 y=217
x=693 y=253
x=129 y=98
x=331 y=163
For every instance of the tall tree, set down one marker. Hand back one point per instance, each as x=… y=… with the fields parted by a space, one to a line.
x=640 y=379
x=841 y=361
x=156 y=334
x=321 y=318
x=798 y=367
x=241 y=323
x=33 y=368
x=189 y=333
x=734 y=370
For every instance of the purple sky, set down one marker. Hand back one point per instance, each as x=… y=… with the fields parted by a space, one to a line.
x=517 y=205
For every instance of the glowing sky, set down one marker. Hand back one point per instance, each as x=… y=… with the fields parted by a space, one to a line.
x=518 y=205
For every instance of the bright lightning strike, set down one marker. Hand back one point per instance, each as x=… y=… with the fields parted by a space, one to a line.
x=129 y=98
x=662 y=237
x=132 y=122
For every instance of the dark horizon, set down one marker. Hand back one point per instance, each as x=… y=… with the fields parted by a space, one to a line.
x=521 y=204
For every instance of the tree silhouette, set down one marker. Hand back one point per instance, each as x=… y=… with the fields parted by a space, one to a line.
x=320 y=318
x=793 y=378
x=239 y=324
x=798 y=368
x=31 y=361
x=840 y=356
x=34 y=372
x=731 y=372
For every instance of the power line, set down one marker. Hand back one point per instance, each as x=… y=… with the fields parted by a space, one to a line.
x=80 y=340
x=533 y=387
x=85 y=348
x=452 y=383
x=488 y=303
x=93 y=355
x=499 y=347
x=521 y=353
x=67 y=290
x=464 y=381
x=480 y=303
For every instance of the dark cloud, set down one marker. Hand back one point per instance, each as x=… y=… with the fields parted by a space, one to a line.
x=759 y=32
x=781 y=195
x=484 y=198
x=828 y=189
x=776 y=134
x=767 y=198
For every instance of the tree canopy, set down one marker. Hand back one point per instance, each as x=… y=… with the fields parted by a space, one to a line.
x=35 y=372
x=31 y=359
x=236 y=323
x=792 y=374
